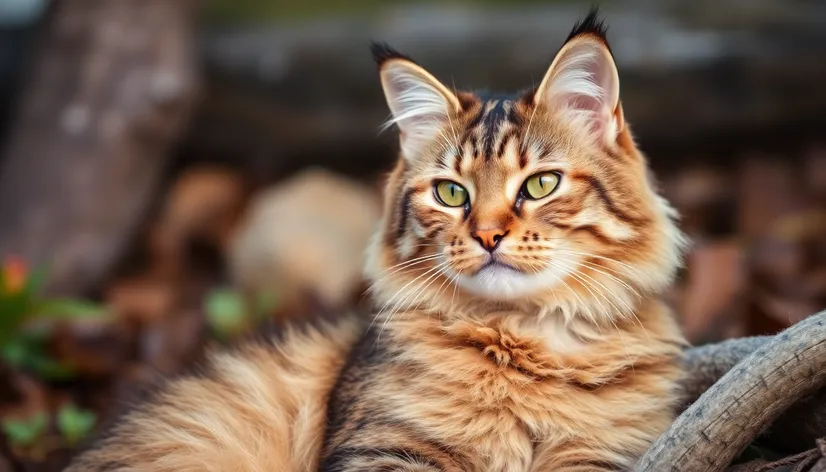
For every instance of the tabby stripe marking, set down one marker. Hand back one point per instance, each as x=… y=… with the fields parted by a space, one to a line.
x=514 y=117
x=607 y=201
x=490 y=126
x=473 y=124
x=523 y=158
x=504 y=144
x=339 y=461
x=404 y=212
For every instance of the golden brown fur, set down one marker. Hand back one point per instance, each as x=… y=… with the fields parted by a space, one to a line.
x=513 y=334
x=566 y=360
x=472 y=394
x=261 y=408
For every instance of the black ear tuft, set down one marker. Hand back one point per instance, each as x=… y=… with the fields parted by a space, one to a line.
x=592 y=24
x=382 y=53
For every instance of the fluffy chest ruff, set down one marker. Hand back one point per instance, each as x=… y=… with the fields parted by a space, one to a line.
x=484 y=395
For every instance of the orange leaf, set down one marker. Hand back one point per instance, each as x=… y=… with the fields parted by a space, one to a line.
x=15 y=272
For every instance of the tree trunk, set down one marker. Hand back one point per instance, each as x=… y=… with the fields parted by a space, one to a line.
x=109 y=91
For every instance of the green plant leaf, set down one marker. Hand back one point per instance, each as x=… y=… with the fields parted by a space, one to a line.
x=16 y=306
x=26 y=432
x=74 y=423
x=15 y=351
x=48 y=368
x=27 y=352
x=225 y=312
x=65 y=308
x=36 y=280
x=13 y=311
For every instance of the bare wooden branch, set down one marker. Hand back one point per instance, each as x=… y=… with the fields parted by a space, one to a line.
x=744 y=402
x=707 y=364
x=794 y=430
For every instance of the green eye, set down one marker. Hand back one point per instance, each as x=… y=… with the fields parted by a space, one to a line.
x=540 y=185
x=450 y=193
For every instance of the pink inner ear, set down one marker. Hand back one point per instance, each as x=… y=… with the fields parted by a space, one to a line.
x=584 y=102
x=417 y=105
x=598 y=71
x=586 y=82
x=598 y=118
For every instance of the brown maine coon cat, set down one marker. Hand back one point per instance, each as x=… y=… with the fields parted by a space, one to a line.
x=516 y=274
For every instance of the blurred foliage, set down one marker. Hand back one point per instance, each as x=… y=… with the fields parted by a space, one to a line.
x=229 y=315
x=29 y=352
x=22 y=343
x=25 y=432
x=225 y=313
x=74 y=423
x=28 y=433
x=255 y=11
x=25 y=331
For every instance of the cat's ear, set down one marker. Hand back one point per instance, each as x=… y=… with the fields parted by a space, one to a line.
x=583 y=81
x=420 y=105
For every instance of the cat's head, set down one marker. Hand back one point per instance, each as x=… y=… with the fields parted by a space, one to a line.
x=542 y=199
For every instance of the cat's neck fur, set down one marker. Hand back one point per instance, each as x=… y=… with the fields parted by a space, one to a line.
x=563 y=329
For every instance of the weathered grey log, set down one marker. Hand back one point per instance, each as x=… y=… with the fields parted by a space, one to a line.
x=695 y=75
x=707 y=364
x=794 y=431
x=744 y=402
x=110 y=90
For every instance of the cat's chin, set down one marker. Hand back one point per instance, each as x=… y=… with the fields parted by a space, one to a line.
x=500 y=281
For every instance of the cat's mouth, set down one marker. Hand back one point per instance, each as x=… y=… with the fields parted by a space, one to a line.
x=497 y=279
x=495 y=265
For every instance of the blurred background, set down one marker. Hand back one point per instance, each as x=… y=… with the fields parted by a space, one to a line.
x=173 y=173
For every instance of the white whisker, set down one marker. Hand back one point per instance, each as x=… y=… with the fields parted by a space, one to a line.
x=404 y=265
x=578 y=275
x=418 y=290
x=629 y=267
x=597 y=268
x=390 y=300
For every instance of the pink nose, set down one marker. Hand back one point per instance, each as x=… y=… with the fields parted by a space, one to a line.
x=489 y=238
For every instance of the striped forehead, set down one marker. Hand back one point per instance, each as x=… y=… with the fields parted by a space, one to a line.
x=490 y=134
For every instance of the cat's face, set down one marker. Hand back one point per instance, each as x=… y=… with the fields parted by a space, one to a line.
x=542 y=198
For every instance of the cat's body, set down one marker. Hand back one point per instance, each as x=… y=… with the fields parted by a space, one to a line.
x=516 y=275
x=483 y=395
x=260 y=408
